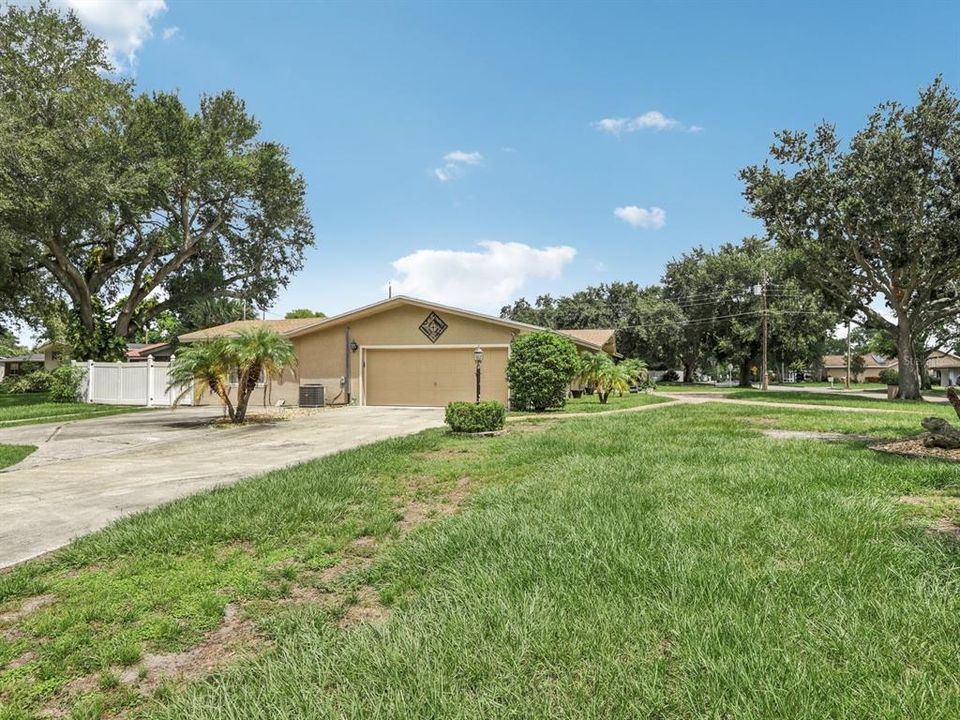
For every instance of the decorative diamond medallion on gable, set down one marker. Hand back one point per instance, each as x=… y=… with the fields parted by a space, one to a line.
x=433 y=327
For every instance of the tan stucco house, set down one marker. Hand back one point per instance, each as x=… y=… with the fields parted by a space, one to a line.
x=944 y=367
x=835 y=366
x=400 y=351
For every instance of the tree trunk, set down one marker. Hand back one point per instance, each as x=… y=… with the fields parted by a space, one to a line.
x=909 y=377
x=688 y=372
x=745 y=373
x=940 y=434
x=954 y=399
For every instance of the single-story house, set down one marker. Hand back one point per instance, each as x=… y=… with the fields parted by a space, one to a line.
x=20 y=364
x=399 y=351
x=945 y=367
x=835 y=366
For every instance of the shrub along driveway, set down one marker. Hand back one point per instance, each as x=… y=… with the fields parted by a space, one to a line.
x=86 y=474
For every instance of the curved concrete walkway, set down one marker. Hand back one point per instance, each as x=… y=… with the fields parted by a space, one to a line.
x=86 y=474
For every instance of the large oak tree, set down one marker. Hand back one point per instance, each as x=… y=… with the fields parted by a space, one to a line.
x=110 y=198
x=879 y=219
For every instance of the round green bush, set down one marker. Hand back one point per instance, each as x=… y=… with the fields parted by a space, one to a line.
x=889 y=376
x=37 y=381
x=467 y=417
x=540 y=370
x=65 y=383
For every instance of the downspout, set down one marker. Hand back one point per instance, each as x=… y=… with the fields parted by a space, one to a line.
x=346 y=377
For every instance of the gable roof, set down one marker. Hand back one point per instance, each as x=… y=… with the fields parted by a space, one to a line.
x=140 y=350
x=284 y=327
x=940 y=359
x=302 y=326
x=870 y=360
x=594 y=336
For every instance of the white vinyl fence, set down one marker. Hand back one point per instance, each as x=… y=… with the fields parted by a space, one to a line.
x=130 y=383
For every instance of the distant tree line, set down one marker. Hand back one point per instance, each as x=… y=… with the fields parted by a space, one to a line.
x=867 y=235
x=707 y=311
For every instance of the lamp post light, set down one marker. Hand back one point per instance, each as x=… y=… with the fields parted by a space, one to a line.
x=478 y=358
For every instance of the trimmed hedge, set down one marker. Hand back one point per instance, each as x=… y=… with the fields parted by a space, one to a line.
x=889 y=376
x=541 y=366
x=65 y=383
x=467 y=417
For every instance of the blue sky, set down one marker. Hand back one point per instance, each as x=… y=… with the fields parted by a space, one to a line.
x=371 y=98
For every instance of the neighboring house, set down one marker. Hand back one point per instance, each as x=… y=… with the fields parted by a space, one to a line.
x=835 y=366
x=400 y=351
x=945 y=367
x=20 y=364
x=54 y=353
x=140 y=352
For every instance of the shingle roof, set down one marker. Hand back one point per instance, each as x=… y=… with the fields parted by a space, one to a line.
x=139 y=350
x=232 y=328
x=870 y=360
x=942 y=360
x=292 y=328
x=594 y=336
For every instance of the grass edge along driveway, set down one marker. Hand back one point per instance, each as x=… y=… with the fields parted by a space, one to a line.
x=598 y=568
x=18 y=409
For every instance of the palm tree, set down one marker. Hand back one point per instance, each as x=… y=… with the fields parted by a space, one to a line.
x=637 y=370
x=202 y=366
x=612 y=378
x=591 y=365
x=259 y=352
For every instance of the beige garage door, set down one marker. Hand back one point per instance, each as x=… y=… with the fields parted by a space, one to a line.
x=432 y=377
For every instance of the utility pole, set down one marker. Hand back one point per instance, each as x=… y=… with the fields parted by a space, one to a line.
x=763 y=365
x=847 y=383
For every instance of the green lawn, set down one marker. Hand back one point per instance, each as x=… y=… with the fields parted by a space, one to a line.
x=591 y=403
x=690 y=387
x=12 y=454
x=808 y=398
x=670 y=564
x=28 y=408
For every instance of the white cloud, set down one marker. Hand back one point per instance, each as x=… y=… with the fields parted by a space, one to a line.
x=124 y=26
x=170 y=32
x=651 y=120
x=454 y=164
x=486 y=279
x=649 y=219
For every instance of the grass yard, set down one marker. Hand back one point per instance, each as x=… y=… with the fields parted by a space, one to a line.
x=919 y=407
x=671 y=564
x=28 y=408
x=591 y=403
x=12 y=454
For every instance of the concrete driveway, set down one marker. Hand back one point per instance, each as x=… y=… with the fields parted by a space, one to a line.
x=86 y=474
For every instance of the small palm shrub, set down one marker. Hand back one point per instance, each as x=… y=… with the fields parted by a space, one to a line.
x=467 y=417
x=250 y=355
x=540 y=369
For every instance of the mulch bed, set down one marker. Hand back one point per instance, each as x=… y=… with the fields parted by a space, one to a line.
x=914 y=447
x=909 y=447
